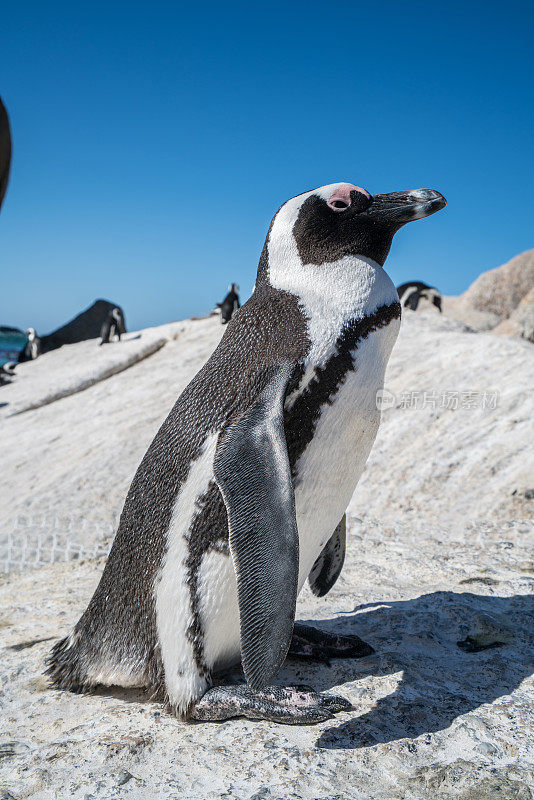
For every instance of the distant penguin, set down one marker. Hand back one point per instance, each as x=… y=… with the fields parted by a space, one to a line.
x=230 y=304
x=5 y=150
x=7 y=372
x=411 y=293
x=112 y=326
x=32 y=349
x=240 y=495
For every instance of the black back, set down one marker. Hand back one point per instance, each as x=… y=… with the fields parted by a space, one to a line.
x=269 y=330
x=229 y=305
x=419 y=285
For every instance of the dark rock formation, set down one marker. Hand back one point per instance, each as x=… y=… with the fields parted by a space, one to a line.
x=86 y=325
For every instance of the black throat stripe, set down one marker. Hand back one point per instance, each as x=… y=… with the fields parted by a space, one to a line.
x=209 y=529
x=301 y=419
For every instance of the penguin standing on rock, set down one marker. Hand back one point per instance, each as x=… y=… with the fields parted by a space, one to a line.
x=112 y=326
x=242 y=494
x=230 y=304
x=32 y=348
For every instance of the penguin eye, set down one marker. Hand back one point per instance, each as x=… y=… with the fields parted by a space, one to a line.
x=338 y=205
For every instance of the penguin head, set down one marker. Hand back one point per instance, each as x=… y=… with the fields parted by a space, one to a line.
x=341 y=219
x=433 y=297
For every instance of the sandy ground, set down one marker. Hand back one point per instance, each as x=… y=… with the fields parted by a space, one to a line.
x=440 y=551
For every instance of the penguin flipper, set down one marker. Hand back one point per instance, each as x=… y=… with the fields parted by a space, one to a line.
x=328 y=565
x=252 y=471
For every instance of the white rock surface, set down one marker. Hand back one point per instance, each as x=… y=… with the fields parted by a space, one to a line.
x=424 y=571
x=68 y=465
x=75 y=367
x=456 y=444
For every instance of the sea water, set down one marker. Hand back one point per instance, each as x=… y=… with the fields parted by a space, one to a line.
x=12 y=342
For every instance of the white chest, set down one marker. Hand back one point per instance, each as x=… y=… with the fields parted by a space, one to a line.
x=332 y=463
x=328 y=471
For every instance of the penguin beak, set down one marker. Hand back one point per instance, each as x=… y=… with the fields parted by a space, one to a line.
x=399 y=208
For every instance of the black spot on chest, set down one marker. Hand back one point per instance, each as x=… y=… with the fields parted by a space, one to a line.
x=301 y=419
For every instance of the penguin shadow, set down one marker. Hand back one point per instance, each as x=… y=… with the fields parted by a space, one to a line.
x=136 y=695
x=450 y=652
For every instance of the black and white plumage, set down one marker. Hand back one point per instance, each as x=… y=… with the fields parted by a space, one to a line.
x=238 y=497
x=7 y=372
x=230 y=304
x=113 y=326
x=412 y=292
x=32 y=348
x=329 y=563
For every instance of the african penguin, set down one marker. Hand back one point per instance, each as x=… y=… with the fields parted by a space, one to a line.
x=230 y=304
x=112 y=326
x=32 y=348
x=241 y=496
x=411 y=293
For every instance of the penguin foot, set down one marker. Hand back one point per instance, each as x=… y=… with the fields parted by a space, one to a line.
x=289 y=705
x=313 y=644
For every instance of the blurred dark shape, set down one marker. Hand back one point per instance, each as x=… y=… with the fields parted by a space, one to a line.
x=230 y=304
x=470 y=645
x=87 y=325
x=7 y=372
x=112 y=326
x=411 y=293
x=5 y=150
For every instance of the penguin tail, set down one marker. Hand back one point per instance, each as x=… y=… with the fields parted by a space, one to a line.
x=64 y=666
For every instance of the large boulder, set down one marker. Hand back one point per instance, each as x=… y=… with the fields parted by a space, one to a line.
x=86 y=325
x=499 y=291
x=495 y=296
x=459 y=308
x=521 y=322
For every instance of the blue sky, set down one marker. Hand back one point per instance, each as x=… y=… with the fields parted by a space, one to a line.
x=154 y=141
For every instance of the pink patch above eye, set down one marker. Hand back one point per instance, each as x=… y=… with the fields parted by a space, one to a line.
x=341 y=197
